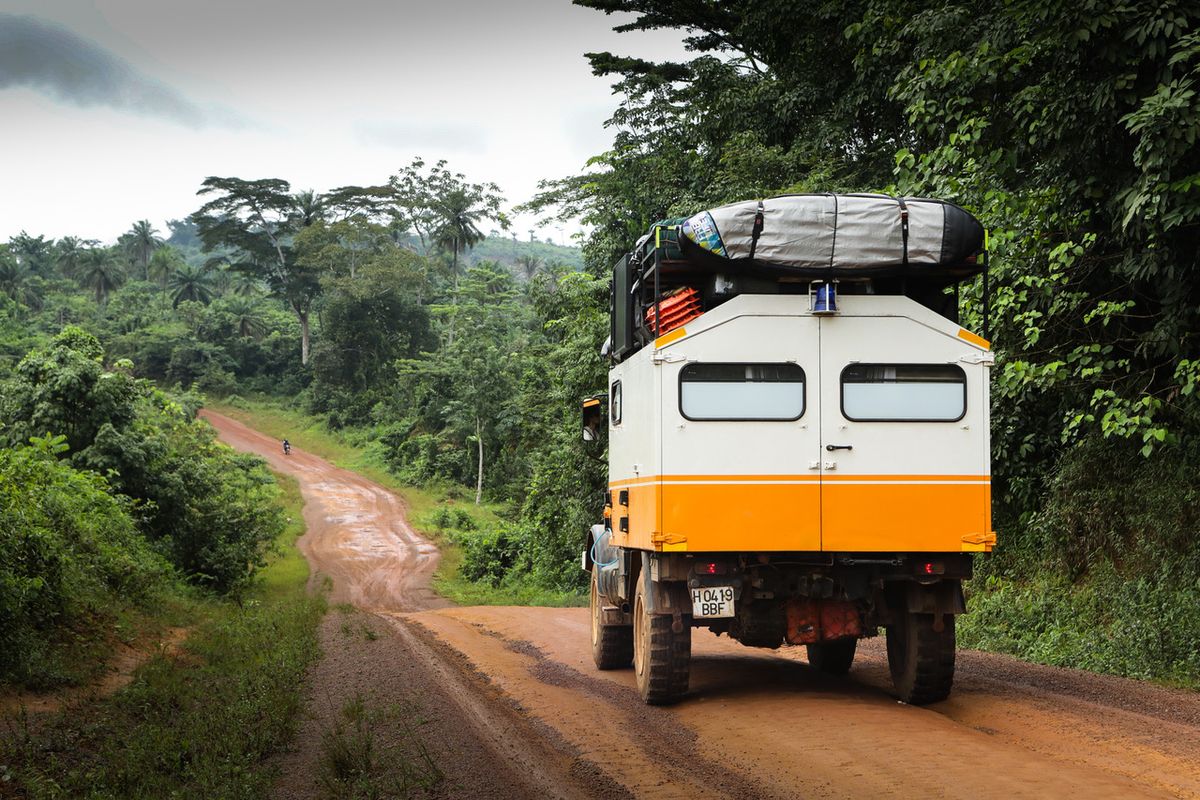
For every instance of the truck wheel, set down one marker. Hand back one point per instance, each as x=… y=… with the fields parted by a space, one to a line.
x=921 y=659
x=832 y=658
x=612 y=645
x=661 y=657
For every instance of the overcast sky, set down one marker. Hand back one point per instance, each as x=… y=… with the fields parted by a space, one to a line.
x=115 y=110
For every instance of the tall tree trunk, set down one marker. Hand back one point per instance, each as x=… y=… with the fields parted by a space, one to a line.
x=303 y=317
x=454 y=297
x=479 y=475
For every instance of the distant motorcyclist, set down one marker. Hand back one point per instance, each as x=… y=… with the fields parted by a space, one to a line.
x=287 y=447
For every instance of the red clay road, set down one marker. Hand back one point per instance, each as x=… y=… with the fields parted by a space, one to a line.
x=530 y=706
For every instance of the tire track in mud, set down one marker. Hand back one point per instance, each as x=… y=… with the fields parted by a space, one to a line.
x=653 y=728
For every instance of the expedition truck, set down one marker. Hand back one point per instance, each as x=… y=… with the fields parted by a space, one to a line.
x=798 y=440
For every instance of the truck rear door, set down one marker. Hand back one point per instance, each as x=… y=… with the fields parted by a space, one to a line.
x=903 y=437
x=741 y=437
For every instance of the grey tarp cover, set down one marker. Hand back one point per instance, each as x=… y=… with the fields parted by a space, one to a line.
x=842 y=233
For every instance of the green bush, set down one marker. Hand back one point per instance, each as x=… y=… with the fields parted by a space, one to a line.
x=491 y=555
x=442 y=518
x=1106 y=504
x=70 y=555
x=1106 y=574
x=210 y=511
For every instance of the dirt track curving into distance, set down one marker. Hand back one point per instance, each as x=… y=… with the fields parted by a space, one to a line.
x=516 y=709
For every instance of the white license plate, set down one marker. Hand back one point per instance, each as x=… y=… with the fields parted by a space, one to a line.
x=710 y=602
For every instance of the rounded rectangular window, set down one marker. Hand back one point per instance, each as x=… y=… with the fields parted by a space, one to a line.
x=904 y=392
x=741 y=391
x=614 y=402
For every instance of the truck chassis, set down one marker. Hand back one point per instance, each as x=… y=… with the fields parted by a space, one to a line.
x=643 y=609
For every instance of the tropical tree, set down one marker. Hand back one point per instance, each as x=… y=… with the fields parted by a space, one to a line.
x=164 y=263
x=188 y=282
x=102 y=272
x=258 y=219
x=247 y=315
x=238 y=283
x=529 y=266
x=440 y=206
x=34 y=252
x=309 y=208
x=19 y=282
x=481 y=366
x=68 y=252
x=458 y=231
x=140 y=242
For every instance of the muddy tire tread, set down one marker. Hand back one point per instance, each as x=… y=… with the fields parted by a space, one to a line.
x=613 y=644
x=926 y=672
x=668 y=658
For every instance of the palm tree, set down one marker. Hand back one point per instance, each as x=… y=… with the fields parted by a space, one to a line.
x=100 y=271
x=19 y=282
x=69 y=251
x=309 y=207
x=529 y=266
x=140 y=241
x=238 y=279
x=190 y=283
x=242 y=284
x=247 y=317
x=165 y=261
x=460 y=212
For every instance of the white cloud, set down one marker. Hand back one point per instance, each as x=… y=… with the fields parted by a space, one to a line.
x=340 y=93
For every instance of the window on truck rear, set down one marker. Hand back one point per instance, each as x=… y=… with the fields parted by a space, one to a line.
x=904 y=392
x=741 y=391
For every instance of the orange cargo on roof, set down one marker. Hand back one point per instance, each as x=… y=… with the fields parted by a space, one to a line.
x=677 y=308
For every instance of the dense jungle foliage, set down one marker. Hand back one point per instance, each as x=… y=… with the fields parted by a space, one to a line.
x=110 y=492
x=1069 y=129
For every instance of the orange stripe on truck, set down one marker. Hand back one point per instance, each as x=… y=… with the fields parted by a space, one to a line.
x=849 y=513
x=808 y=477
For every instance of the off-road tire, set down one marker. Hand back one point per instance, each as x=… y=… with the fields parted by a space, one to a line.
x=612 y=645
x=832 y=658
x=662 y=658
x=921 y=659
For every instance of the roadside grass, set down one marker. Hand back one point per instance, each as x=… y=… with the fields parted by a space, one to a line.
x=288 y=568
x=362 y=761
x=428 y=507
x=199 y=721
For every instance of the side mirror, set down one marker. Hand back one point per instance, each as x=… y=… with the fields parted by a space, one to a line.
x=593 y=418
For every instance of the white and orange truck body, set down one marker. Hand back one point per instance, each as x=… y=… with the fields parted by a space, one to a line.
x=708 y=466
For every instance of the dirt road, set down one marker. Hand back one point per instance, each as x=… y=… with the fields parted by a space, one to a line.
x=520 y=711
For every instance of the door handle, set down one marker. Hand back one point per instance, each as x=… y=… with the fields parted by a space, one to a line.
x=832 y=447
